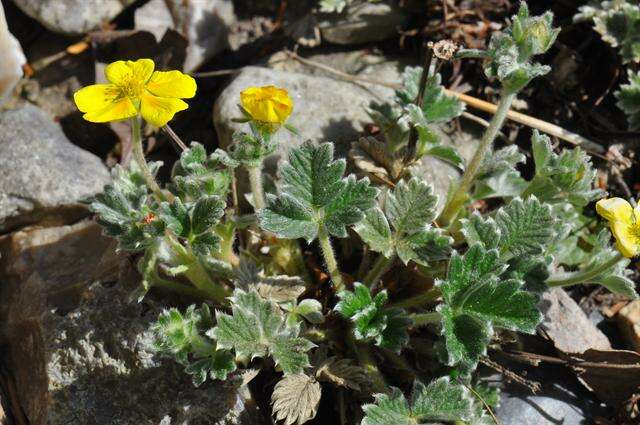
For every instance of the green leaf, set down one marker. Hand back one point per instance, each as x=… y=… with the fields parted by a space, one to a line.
x=568 y=176
x=439 y=401
x=629 y=99
x=176 y=217
x=181 y=337
x=314 y=193
x=295 y=399
x=195 y=175
x=437 y=106
x=309 y=309
x=447 y=154
x=206 y=213
x=375 y=231
x=257 y=328
x=476 y=299
x=520 y=228
x=424 y=246
x=205 y=243
x=411 y=206
x=386 y=327
x=498 y=177
x=618 y=22
x=280 y=288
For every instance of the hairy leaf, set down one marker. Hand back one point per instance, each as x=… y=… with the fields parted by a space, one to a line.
x=257 y=328
x=439 y=401
x=386 y=327
x=196 y=175
x=343 y=372
x=295 y=399
x=629 y=98
x=314 y=193
x=477 y=299
x=280 y=288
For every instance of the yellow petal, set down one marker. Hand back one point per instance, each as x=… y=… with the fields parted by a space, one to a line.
x=95 y=97
x=119 y=110
x=627 y=240
x=124 y=72
x=172 y=84
x=160 y=110
x=615 y=209
x=267 y=104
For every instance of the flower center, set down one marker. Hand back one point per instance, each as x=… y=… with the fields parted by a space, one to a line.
x=131 y=88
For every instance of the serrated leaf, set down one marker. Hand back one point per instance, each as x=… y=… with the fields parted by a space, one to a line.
x=309 y=309
x=205 y=243
x=411 y=206
x=218 y=366
x=195 y=175
x=479 y=230
x=206 y=214
x=375 y=232
x=343 y=372
x=280 y=288
x=295 y=399
x=386 y=327
x=176 y=217
x=424 y=246
x=629 y=99
x=476 y=299
x=568 y=176
x=257 y=328
x=314 y=193
x=439 y=401
x=437 y=106
x=526 y=227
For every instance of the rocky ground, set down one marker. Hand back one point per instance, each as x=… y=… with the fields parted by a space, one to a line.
x=74 y=349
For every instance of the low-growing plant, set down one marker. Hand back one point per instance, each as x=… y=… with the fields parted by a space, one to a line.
x=437 y=279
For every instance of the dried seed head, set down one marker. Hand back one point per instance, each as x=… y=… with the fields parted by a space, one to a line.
x=444 y=49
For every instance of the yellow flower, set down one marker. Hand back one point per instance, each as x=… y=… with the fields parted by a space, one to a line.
x=134 y=88
x=624 y=222
x=269 y=104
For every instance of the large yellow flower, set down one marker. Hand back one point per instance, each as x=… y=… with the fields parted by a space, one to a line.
x=624 y=222
x=134 y=88
x=269 y=104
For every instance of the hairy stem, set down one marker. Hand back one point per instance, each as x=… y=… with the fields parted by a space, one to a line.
x=379 y=268
x=138 y=154
x=460 y=194
x=330 y=257
x=419 y=300
x=179 y=288
x=567 y=279
x=423 y=319
x=255 y=181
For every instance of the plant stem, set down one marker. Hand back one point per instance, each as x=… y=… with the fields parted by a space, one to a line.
x=423 y=319
x=418 y=300
x=460 y=194
x=379 y=268
x=159 y=282
x=329 y=257
x=367 y=361
x=138 y=153
x=255 y=180
x=567 y=279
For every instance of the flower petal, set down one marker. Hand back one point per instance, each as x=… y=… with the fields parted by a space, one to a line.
x=615 y=209
x=160 y=110
x=267 y=104
x=172 y=84
x=119 y=110
x=627 y=240
x=95 y=97
x=122 y=72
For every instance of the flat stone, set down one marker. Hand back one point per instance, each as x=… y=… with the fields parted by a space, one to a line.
x=204 y=24
x=79 y=351
x=72 y=16
x=11 y=59
x=629 y=322
x=568 y=326
x=362 y=22
x=43 y=177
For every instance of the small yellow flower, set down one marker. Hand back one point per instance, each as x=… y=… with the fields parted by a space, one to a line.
x=624 y=222
x=269 y=104
x=134 y=88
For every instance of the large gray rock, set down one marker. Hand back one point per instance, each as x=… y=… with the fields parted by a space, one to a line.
x=326 y=109
x=11 y=59
x=203 y=23
x=43 y=177
x=79 y=351
x=362 y=22
x=72 y=16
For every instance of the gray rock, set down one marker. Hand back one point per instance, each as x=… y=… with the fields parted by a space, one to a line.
x=362 y=22
x=72 y=16
x=43 y=177
x=326 y=109
x=79 y=351
x=11 y=59
x=204 y=24
x=568 y=326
